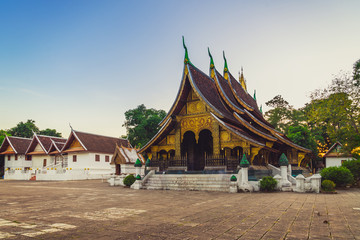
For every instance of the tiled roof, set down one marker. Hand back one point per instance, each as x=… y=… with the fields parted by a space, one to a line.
x=97 y=143
x=207 y=88
x=20 y=144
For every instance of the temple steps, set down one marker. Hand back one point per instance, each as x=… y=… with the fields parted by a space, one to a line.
x=195 y=182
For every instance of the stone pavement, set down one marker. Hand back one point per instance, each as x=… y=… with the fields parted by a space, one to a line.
x=94 y=210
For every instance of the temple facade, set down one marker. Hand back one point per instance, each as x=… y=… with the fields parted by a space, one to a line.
x=213 y=122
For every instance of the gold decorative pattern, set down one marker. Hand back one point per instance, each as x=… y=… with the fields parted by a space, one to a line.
x=171 y=139
x=225 y=136
x=195 y=107
x=195 y=124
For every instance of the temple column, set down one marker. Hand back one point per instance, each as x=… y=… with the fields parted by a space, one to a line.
x=178 y=142
x=216 y=138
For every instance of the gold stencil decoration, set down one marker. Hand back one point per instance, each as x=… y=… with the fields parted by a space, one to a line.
x=196 y=124
x=225 y=136
x=171 y=139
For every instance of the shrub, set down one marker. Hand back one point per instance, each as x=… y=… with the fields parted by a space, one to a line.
x=129 y=180
x=328 y=185
x=354 y=167
x=341 y=176
x=268 y=184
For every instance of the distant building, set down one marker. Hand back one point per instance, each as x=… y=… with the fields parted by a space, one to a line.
x=124 y=159
x=91 y=151
x=14 y=148
x=38 y=150
x=334 y=157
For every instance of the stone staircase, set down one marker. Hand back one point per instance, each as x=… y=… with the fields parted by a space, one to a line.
x=195 y=182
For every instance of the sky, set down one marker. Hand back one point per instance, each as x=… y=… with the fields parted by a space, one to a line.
x=86 y=62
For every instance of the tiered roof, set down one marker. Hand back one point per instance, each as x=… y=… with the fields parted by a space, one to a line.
x=229 y=103
x=14 y=145
x=45 y=143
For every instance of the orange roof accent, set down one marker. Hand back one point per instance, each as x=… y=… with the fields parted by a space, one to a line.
x=36 y=153
x=54 y=152
x=74 y=150
x=7 y=152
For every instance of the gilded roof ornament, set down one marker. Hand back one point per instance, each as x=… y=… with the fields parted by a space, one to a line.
x=242 y=79
x=186 y=59
x=226 y=69
x=211 y=60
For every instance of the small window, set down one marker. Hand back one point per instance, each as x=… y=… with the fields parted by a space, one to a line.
x=28 y=158
x=107 y=159
x=97 y=158
x=44 y=163
x=9 y=157
x=74 y=158
x=16 y=157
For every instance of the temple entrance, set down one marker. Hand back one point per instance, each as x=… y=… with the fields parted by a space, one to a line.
x=205 y=149
x=188 y=148
x=118 y=169
x=195 y=153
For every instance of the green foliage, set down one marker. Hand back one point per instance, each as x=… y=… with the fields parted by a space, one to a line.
x=129 y=180
x=279 y=114
x=356 y=73
x=341 y=176
x=24 y=129
x=142 y=124
x=268 y=184
x=50 y=132
x=354 y=167
x=302 y=136
x=3 y=134
x=328 y=185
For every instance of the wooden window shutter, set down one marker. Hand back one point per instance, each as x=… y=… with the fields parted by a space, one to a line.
x=107 y=159
x=97 y=158
x=74 y=158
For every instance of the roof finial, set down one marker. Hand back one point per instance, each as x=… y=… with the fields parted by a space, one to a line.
x=186 y=59
x=261 y=109
x=242 y=79
x=211 y=60
x=255 y=95
x=225 y=65
x=71 y=127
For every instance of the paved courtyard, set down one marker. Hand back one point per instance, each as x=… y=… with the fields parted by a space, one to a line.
x=94 y=210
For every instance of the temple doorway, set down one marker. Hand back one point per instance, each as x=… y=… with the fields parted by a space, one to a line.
x=188 y=148
x=204 y=149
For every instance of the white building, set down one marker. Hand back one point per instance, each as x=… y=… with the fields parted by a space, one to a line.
x=124 y=159
x=334 y=157
x=91 y=153
x=39 y=148
x=15 y=160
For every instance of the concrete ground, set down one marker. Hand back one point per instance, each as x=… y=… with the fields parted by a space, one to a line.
x=94 y=210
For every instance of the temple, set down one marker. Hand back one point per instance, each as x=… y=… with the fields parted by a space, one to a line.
x=213 y=122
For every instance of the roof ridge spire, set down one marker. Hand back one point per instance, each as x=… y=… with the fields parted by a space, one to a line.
x=242 y=79
x=255 y=94
x=226 y=69
x=186 y=58
x=211 y=60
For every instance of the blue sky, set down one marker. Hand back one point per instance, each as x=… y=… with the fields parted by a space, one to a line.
x=87 y=62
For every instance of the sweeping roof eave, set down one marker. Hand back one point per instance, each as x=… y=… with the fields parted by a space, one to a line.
x=226 y=93
x=164 y=129
x=288 y=142
x=247 y=138
x=177 y=99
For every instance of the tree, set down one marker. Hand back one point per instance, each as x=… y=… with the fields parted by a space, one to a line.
x=279 y=115
x=302 y=136
x=50 y=132
x=335 y=110
x=142 y=124
x=356 y=73
x=3 y=134
x=24 y=129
